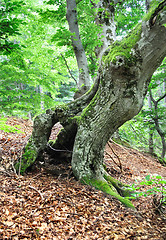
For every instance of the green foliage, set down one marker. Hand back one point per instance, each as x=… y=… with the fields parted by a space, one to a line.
x=31 y=76
x=157 y=189
x=88 y=29
x=10 y=21
x=7 y=128
x=128 y=15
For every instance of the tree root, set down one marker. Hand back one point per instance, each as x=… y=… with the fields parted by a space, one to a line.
x=110 y=186
x=121 y=188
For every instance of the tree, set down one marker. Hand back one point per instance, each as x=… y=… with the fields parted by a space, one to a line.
x=115 y=97
x=156 y=121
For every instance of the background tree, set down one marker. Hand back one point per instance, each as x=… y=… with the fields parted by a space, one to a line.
x=142 y=129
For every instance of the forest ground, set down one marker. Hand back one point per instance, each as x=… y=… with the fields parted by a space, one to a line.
x=39 y=205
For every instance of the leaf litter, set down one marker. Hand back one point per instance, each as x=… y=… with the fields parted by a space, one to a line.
x=39 y=205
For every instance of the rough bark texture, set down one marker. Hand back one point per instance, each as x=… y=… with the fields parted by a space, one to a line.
x=116 y=97
x=105 y=20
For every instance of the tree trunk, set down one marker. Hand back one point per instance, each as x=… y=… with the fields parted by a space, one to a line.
x=156 y=122
x=105 y=21
x=164 y=90
x=151 y=144
x=116 y=97
x=84 y=78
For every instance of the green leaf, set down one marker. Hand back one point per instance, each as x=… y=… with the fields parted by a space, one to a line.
x=147 y=177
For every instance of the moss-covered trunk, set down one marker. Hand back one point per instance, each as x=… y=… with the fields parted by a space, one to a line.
x=116 y=97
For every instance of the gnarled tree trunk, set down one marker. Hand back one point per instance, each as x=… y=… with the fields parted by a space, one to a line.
x=116 y=96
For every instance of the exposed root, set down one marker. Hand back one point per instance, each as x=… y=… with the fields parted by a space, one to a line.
x=108 y=185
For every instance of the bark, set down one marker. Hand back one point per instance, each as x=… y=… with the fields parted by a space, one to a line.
x=116 y=97
x=164 y=89
x=84 y=78
x=105 y=20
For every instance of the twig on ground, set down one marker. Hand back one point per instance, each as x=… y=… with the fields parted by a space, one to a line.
x=12 y=164
x=41 y=196
x=111 y=158
x=7 y=173
x=34 y=177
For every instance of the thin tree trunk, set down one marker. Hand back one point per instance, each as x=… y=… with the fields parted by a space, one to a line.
x=156 y=121
x=84 y=78
x=151 y=144
x=105 y=21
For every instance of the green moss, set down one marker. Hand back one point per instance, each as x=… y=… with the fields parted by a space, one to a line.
x=76 y=119
x=123 y=48
x=122 y=189
x=61 y=106
x=90 y=89
x=162 y=161
x=28 y=158
x=150 y=12
x=154 y=4
x=105 y=167
x=107 y=188
x=51 y=142
x=91 y=105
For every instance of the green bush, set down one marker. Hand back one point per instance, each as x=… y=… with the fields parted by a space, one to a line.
x=157 y=190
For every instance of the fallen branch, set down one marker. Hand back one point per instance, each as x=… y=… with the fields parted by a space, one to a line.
x=7 y=173
x=69 y=70
x=111 y=158
x=35 y=177
x=120 y=164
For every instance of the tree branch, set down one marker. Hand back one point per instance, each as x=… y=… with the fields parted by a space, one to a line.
x=161 y=97
x=41 y=196
x=156 y=101
x=156 y=13
x=69 y=70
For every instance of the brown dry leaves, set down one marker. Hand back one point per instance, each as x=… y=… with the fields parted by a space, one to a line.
x=42 y=206
x=66 y=210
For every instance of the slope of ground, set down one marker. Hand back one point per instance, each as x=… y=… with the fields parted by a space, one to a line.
x=42 y=206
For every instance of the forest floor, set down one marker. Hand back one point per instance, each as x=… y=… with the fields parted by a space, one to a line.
x=39 y=205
